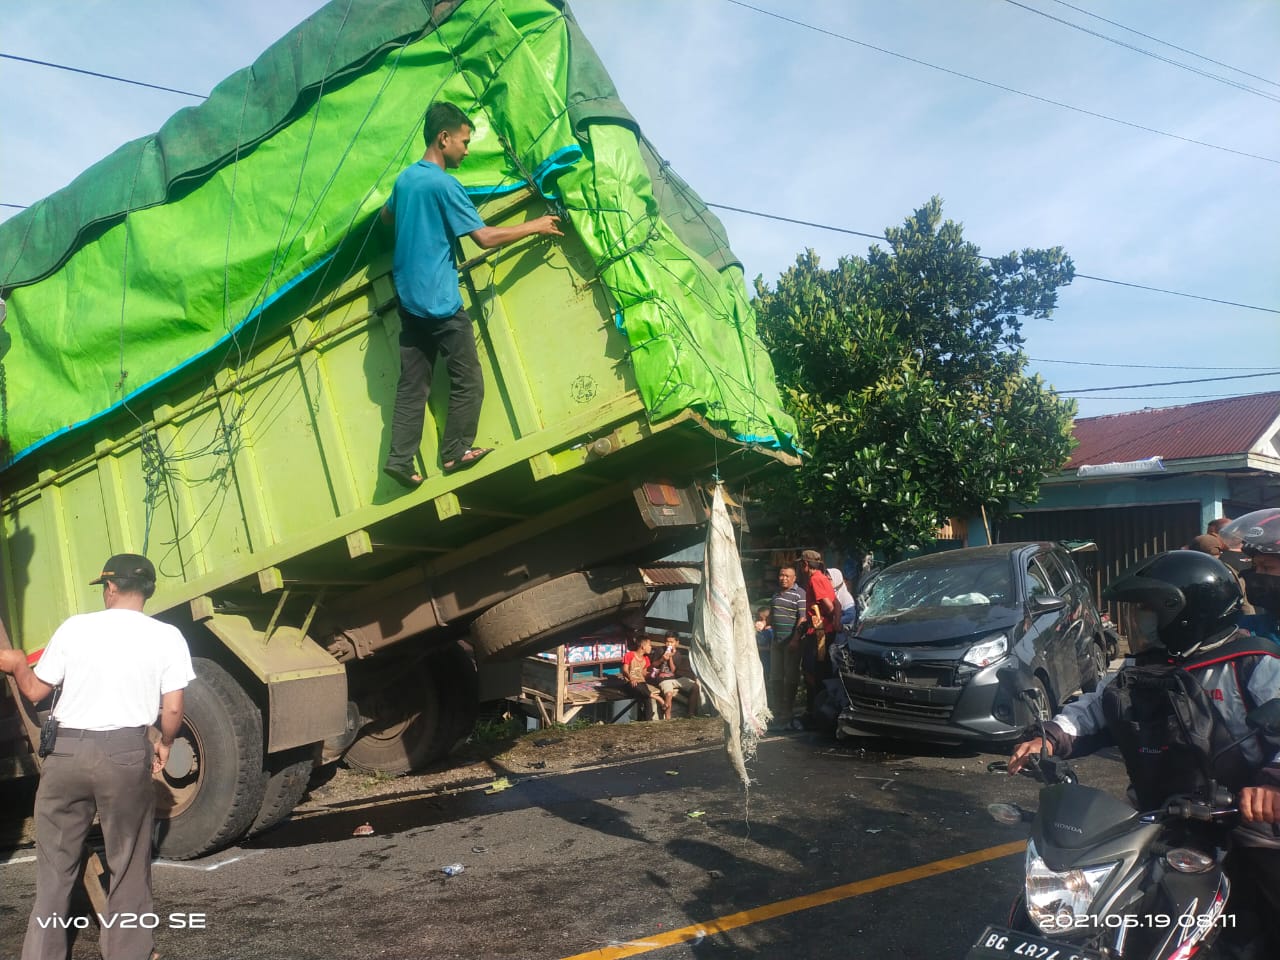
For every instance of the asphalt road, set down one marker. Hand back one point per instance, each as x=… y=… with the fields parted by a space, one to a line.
x=836 y=851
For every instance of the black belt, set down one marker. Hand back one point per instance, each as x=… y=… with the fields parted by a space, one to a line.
x=75 y=734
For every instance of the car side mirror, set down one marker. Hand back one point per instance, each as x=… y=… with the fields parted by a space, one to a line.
x=1266 y=718
x=1047 y=604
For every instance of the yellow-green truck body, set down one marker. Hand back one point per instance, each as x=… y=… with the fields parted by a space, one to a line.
x=200 y=357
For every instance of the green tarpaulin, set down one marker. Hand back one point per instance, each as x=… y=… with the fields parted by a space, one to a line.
x=175 y=247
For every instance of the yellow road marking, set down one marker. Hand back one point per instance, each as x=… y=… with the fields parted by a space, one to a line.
x=783 y=907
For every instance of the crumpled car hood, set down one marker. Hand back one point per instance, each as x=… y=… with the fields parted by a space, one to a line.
x=936 y=626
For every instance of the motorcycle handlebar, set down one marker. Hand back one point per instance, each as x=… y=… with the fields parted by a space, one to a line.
x=1222 y=803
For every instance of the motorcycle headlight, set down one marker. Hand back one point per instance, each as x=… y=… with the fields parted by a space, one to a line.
x=987 y=652
x=1059 y=902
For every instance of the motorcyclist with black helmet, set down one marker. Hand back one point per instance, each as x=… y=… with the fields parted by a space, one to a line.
x=1257 y=536
x=1190 y=659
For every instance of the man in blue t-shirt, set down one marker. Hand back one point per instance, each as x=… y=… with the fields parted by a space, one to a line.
x=430 y=211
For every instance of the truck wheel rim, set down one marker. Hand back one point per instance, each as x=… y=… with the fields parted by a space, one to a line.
x=181 y=792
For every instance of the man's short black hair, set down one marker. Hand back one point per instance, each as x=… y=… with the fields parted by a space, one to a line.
x=135 y=585
x=443 y=115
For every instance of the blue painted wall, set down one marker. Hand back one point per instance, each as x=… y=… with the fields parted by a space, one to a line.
x=1208 y=491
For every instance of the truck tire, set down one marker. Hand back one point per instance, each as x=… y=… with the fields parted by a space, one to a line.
x=539 y=617
x=212 y=803
x=459 y=691
x=288 y=773
x=404 y=733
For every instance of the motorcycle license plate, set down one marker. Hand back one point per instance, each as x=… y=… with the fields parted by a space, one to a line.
x=997 y=943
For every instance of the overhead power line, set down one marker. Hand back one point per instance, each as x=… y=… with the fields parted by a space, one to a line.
x=1141 y=366
x=1079 y=276
x=1147 y=53
x=1001 y=86
x=15 y=206
x=1166 y=43
x=1170 y=383
x=1171 y=396
x=104 y=76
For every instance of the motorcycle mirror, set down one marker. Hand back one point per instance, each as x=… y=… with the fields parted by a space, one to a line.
x=1009 y=814
x=1266 y=718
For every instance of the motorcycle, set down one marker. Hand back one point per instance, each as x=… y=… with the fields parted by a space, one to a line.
x=1106 y=881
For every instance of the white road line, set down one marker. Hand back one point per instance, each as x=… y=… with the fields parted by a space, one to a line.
x=15 y=860
x=208 y=867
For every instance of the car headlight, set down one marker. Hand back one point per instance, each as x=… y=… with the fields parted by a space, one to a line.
x=987 y=652
x=1059 y=902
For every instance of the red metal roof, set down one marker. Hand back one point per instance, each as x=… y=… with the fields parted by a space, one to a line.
x=1215 y=428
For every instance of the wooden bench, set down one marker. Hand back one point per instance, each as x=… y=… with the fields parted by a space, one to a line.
x=558 y=690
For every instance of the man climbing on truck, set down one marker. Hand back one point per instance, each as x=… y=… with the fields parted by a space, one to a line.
x=430 y=210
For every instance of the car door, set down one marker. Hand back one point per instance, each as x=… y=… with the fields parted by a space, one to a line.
x=1086 y=622
x=1048 y=625
x=1071 y=638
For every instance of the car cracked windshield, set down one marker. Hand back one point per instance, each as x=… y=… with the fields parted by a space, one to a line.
x=921 y=591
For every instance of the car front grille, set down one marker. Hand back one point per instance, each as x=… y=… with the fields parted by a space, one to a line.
x=873 y=706
x=925 y=673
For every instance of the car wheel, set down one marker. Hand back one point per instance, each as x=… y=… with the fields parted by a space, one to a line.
x=1097 y=667
x=1044 y=704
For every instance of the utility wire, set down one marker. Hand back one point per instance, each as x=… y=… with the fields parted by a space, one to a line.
x=1175 y=396
x=1147 y=53
x=1079 y=276
x=1001 y=86
x=15 y=206
x=104 y=76
x=1166 y=43
x=1169 y=383
x=1140 y=366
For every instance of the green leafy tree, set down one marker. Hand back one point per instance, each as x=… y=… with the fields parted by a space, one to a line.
x=905 y=371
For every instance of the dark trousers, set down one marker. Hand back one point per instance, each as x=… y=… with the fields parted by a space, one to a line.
x=643 y=695
x=422 y=339
x=108 y=774
x=1254 y=873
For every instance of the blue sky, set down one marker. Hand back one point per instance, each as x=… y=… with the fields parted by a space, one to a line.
x=766 y=115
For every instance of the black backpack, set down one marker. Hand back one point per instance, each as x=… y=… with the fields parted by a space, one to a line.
x=1168 y=730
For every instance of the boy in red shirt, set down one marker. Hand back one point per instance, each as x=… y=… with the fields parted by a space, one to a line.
x=635 y=671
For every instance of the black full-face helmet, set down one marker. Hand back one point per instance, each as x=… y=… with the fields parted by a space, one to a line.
x=1184 y=600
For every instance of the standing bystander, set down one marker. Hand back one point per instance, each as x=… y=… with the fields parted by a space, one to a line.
x=117 y=669
x=430 y=211
x=785 y=610
x=819 y=627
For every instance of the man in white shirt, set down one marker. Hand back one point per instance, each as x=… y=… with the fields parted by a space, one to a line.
x=117 y=670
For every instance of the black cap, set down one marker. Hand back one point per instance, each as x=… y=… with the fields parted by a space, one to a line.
x=126 y=566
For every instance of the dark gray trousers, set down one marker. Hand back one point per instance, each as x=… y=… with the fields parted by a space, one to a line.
x=422 y=339
x=108 y=774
